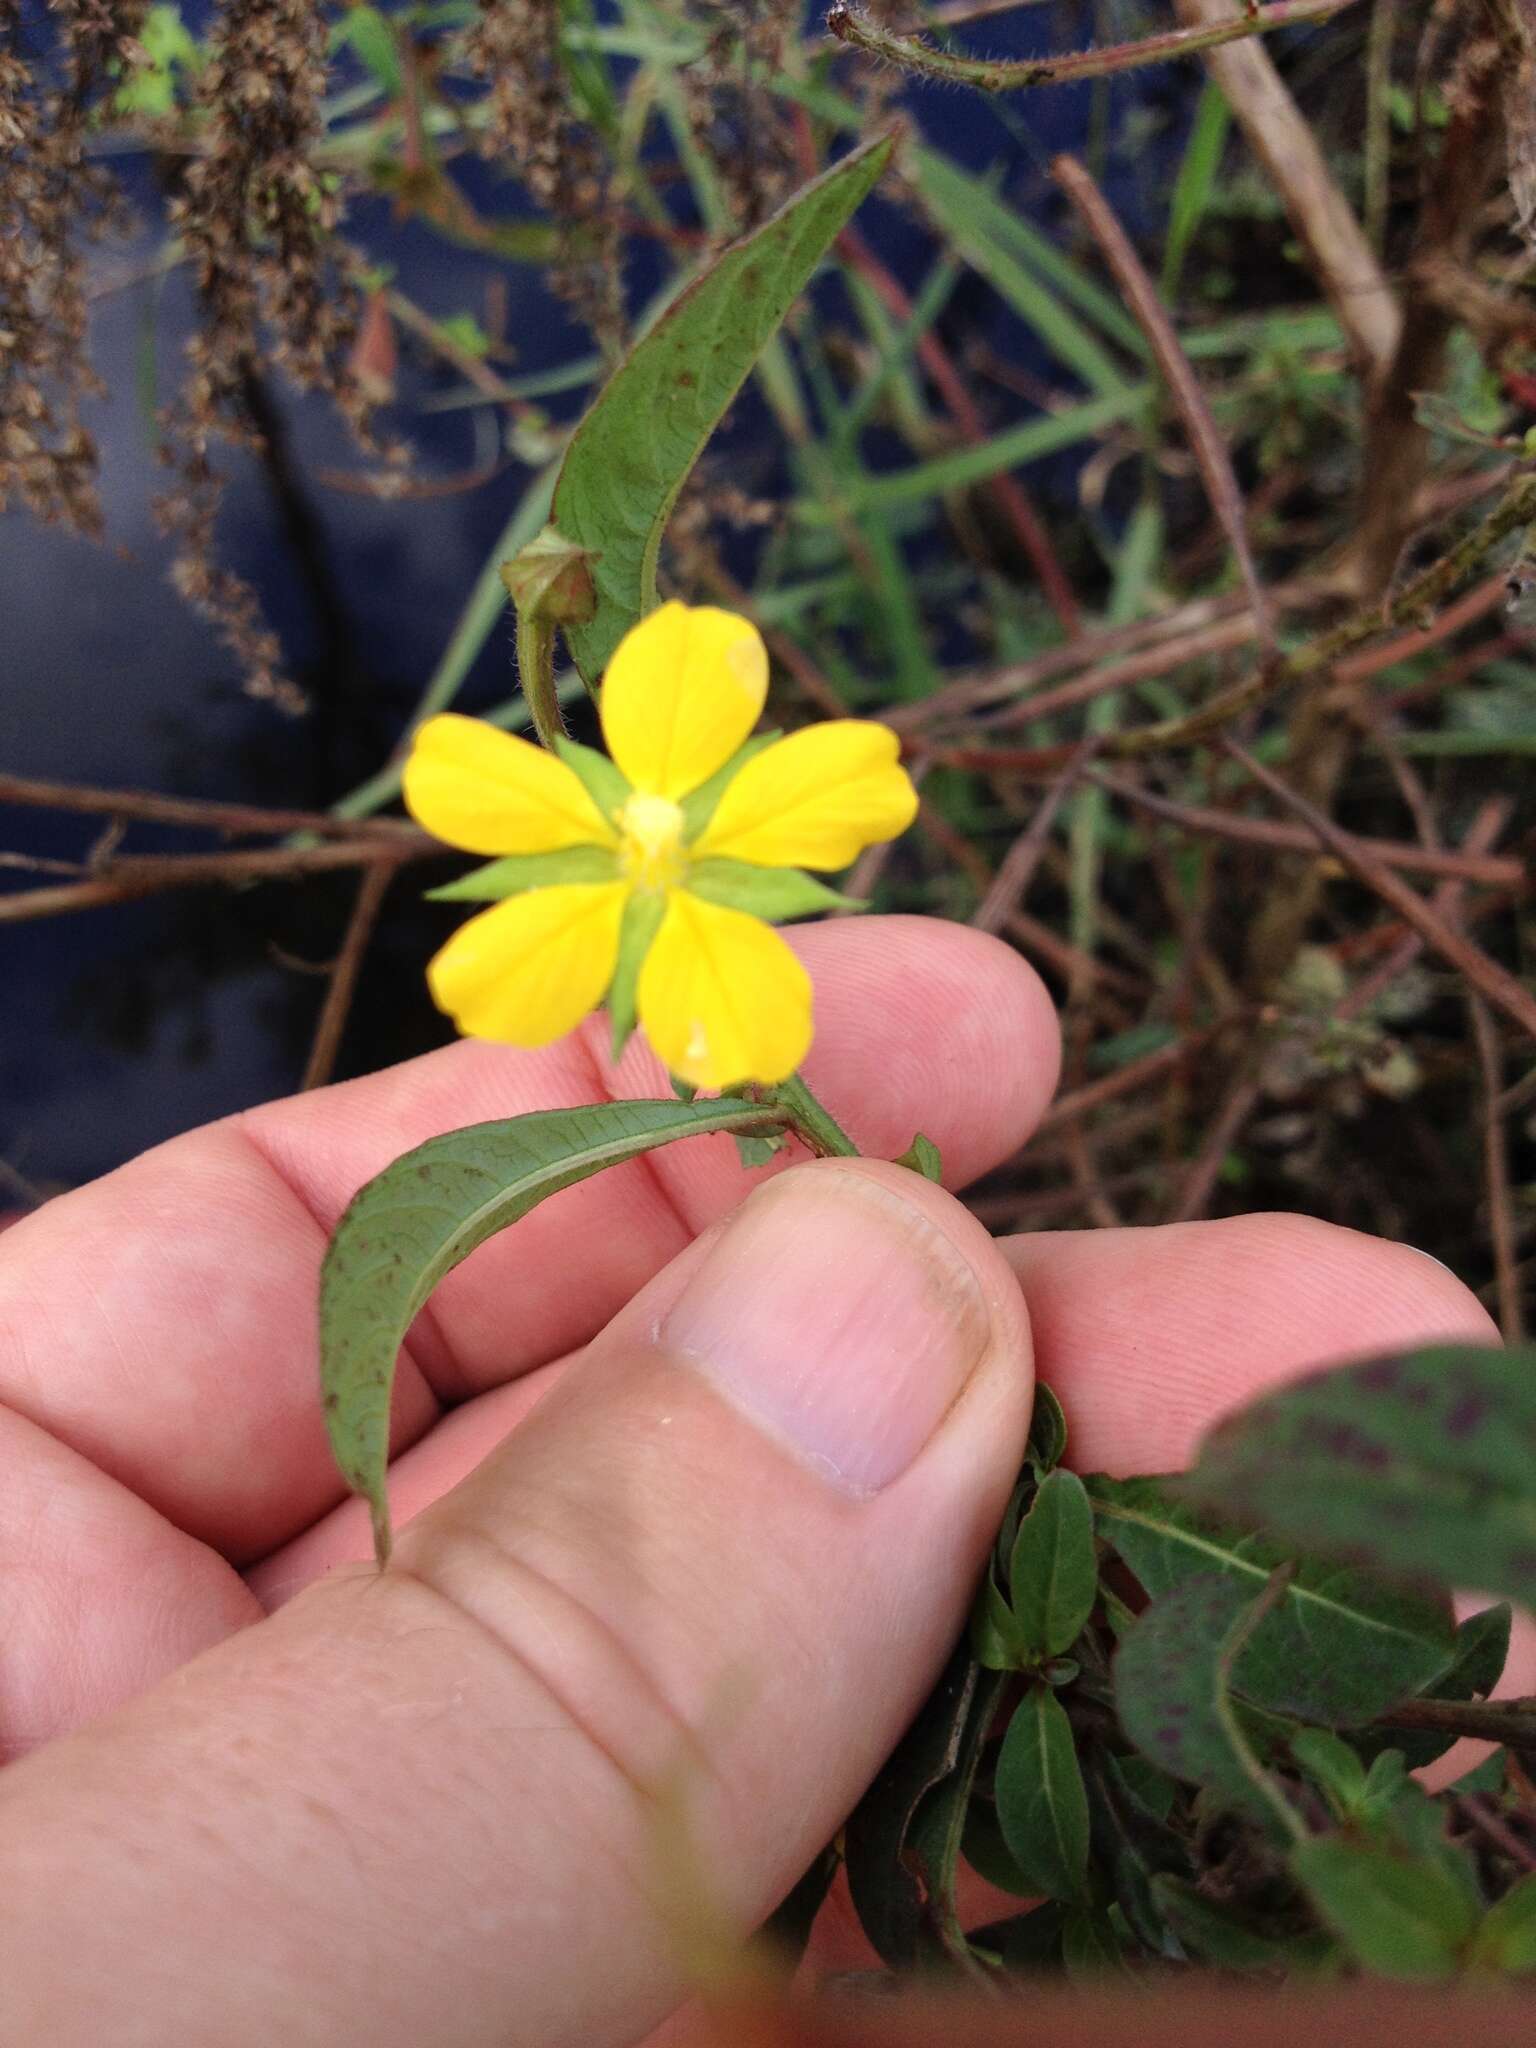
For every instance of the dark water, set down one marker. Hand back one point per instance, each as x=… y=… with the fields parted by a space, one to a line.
x=124 y=1025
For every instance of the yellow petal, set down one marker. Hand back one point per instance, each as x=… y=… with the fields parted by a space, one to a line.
x=722 y=998
x=683 y=690
x=815 y=799
x=529 y=970
x=490 y=792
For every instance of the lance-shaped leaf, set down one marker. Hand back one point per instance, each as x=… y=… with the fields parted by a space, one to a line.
x=1053 y=1572
x=1042 y=1803
x=1339 y=1647
x=632 y=453
x=902 y=1841
x=1423 y=1463
x=414 y=1222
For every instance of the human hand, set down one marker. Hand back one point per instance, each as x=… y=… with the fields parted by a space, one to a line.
x=735 y=1540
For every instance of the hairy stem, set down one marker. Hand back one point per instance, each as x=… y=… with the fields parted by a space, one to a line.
x=1017 y=75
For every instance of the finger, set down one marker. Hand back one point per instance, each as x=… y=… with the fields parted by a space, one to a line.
x=671 y=1591
x=1151 y=1336
x=186 y=1367
x=99 y=1596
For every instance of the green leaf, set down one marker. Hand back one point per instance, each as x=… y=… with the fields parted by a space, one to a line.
x=1172 y=1691
x=415 y=1221
x=902 y=1839
x=1214 y=1931
x=641 y=922
x=995 y=1638
x=1482 y=1650
x=1047 y=1444
x=602 y=780
x=369 y=33
x=1195 y=184
x=1422 y=1463
x=515 y=872
x=1338 y=1648
x=754 y=1152
x=988 y=1854
x=1506 y=1939
x=775 y=894
x=633 y=451
x=922 y=1156
x=1090 y=1946
x=1053 y=1573
x=1042 y=1804
x=1333 y=1766
x=1007 y=252
x=1486 y=1778
x=1397 y=1915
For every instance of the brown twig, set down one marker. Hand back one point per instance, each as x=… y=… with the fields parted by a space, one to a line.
x=371 y=891
x=1501 y=1216
x=1319 y=658
x=240 y=819
x=1200 y=1183
x=1285 y=144
x=1493 y=870
x=1143 y=667
x=1125 y=1080
x=1486 y=975
x=1012 y=499
x=1016 y=870
x=125 y=881
x=1210 y=451
x=1395 y=458
x=1510 y=1721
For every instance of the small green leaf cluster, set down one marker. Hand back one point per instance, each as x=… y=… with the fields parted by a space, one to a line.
x=1184 y=1720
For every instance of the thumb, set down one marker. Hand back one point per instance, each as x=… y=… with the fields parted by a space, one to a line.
x=728 y=1552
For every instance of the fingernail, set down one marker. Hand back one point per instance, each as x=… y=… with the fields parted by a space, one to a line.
x=840 y=1317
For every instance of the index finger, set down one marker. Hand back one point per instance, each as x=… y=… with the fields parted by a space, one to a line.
x=161 y=1322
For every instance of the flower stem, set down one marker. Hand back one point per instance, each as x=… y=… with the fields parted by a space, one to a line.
x=536 y=672
x=812 y=1124
x=1014 y=75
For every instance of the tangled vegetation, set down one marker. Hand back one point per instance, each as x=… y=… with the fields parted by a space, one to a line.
x=1177 y=524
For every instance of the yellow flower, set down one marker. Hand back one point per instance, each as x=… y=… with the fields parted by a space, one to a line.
x=649 y=879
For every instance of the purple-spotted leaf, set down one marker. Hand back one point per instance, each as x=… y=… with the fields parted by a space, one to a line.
x=1423 y=1464
x=1339 y=1646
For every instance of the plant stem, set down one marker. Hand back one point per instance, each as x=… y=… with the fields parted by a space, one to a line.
x=812 y=1124
x=535 y=641
x=1015 y=75
x=1515 y=511
x=1509 y=1721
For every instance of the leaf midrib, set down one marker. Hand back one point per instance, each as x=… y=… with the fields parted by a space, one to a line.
x=1206 y=1547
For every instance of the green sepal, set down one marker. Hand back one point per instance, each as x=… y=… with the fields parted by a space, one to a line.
x=699 y=805
x=774 y=894
x=754 y=1151
x=516 y=872
x=642 y=920
x=922 y=1156
x=598 y=776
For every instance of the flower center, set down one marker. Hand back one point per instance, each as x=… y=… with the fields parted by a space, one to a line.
x=651 y=854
